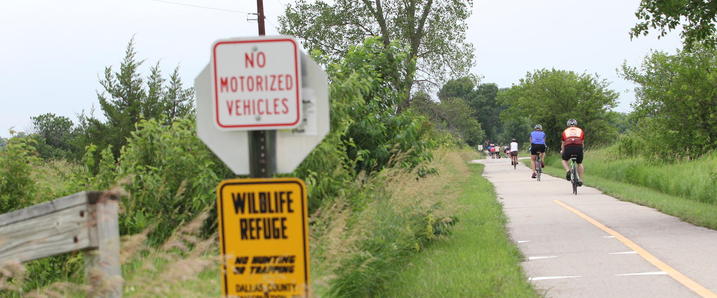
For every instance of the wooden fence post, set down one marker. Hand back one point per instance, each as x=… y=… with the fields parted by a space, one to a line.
x=102 y=265
x=85 y=221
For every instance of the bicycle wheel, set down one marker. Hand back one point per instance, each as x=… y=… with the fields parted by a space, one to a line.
x=538 y=168
x=574 y=178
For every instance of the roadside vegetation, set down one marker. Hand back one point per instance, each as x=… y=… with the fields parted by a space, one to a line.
x=146 y=149
x=388 y=188
x=476 y=260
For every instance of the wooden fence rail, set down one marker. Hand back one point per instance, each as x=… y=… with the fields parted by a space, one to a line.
x=85 y=221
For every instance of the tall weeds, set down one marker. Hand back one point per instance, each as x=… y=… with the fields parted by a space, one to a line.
x=692 y=179
x=357 y=247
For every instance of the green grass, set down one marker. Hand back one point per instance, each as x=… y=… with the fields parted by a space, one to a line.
x=141 y=273
x=695 y=180
x=364 y=252
x=674 y=189
x=476 y=260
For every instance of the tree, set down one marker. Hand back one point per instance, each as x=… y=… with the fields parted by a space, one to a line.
x=551 y=97
x=458 y=118
x=177 y=101
x=481 y=98
x=515 y=128
x=127 y=98
x=697 y=18
x=488 y=110
x=462 y=88
x=55 y=136
x=676 y=98
x=455 y=112
x=122 y=99
x=363 y=111
x=623 y=122
x=433 y=33
x=423 y=104
x=166 y=102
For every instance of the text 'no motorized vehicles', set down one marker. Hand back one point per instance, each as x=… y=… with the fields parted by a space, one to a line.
x=257 y=83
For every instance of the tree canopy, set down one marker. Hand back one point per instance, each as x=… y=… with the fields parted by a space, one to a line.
x=431 y=31
x=551 y=97
x=696 y=17
x=676 y=101
x=481 y=99
x=55 y=136
x=127 y=98
x=453 y=113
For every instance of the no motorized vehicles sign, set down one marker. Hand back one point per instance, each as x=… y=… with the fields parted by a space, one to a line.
x=256 y=83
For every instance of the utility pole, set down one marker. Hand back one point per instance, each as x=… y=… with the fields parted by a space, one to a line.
x=260 y=13
x=262 y=143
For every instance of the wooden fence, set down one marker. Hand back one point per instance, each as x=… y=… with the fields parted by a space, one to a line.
x=85 y=221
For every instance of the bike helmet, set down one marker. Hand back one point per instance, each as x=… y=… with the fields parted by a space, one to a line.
x=572 y=122
x=513 y=140
x=539 y=127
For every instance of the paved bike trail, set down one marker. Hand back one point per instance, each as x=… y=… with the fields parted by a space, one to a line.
x=593 y=245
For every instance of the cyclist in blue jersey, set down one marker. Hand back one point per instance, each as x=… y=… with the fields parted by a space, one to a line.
x=537 y=146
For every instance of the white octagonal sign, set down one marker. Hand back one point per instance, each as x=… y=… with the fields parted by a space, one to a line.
x=256 y=83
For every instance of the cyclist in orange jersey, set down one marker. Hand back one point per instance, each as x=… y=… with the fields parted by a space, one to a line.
x=573 y=140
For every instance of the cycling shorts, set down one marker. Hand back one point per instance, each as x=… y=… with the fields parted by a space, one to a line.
x=568 y=151
x=513 y=153
x=537 y=148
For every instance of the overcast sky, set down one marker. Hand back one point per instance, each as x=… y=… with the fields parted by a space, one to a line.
x=53 y=52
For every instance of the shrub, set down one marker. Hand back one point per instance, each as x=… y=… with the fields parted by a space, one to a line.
x=676 y=101
x=169 y=173
x=365 y=110
x=17 y=159
x=367 y=133
x=629 y=145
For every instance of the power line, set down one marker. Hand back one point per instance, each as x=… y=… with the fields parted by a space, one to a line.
x=199 y=6
x=276 y=26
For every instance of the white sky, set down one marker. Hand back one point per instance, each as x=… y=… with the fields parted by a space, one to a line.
x=53 y=52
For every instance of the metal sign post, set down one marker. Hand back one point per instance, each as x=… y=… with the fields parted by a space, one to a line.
x=262 y=143
x=262 y=153
x=262 y=107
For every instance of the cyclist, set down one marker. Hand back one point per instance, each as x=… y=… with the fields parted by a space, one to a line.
x=537 y=146
x=513 y=152
x=573 y=140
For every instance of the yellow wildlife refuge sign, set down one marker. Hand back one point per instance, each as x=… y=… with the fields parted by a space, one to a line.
x=263 y=232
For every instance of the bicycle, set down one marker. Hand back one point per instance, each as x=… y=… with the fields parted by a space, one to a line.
x=538 y=167
x=574 y=178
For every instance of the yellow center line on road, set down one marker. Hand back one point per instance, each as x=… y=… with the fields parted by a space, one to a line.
x=679 y=277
